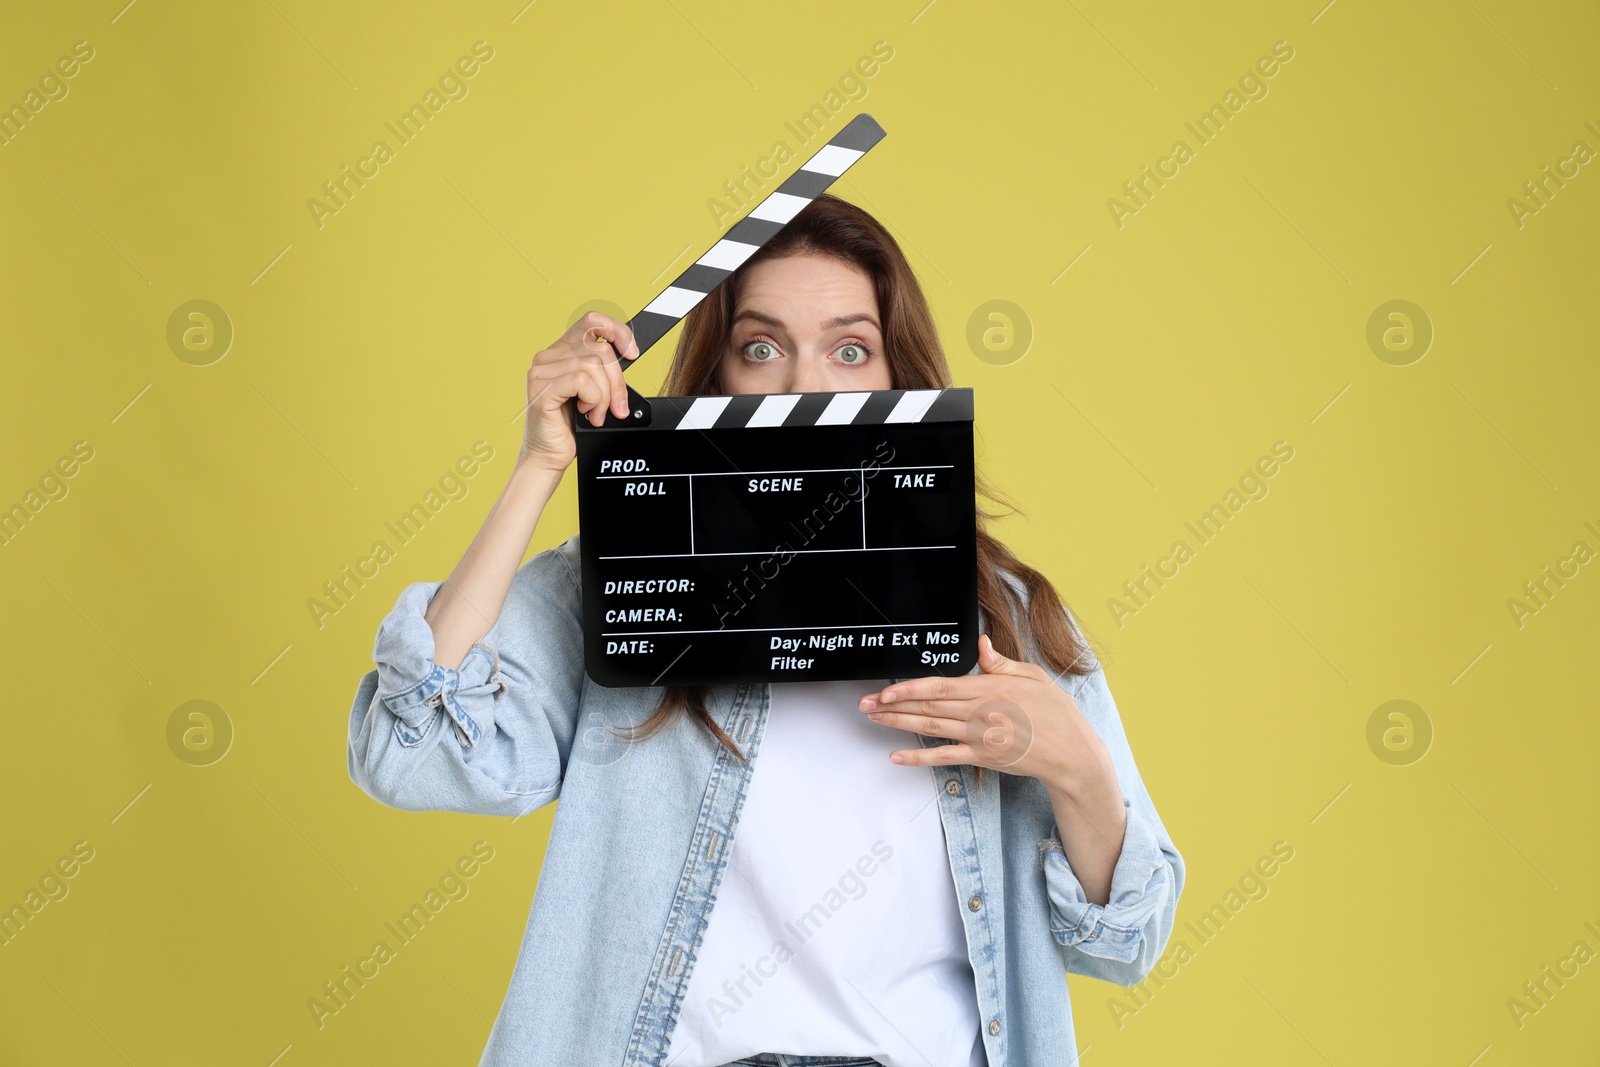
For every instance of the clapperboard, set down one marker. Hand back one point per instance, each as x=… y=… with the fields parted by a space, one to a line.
x=777 y=537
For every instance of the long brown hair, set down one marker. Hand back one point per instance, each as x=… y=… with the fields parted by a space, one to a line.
x=833 y=227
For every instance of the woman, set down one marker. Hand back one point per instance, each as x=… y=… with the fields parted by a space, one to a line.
x=856 y=927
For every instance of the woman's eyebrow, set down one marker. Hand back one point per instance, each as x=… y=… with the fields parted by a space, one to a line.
x=845 y=320
x=831 y=324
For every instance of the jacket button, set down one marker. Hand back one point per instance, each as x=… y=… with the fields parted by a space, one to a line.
x=994 y=1026
x=974 y=903
x=953 y=787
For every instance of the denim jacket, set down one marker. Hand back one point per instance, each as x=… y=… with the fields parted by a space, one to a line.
x=640 y=839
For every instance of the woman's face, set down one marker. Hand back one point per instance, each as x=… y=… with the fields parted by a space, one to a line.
x=805 y=324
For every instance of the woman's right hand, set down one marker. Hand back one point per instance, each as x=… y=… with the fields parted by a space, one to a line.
x=583 y=366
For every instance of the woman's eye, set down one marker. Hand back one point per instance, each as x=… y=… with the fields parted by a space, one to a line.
x=852 y=353
x=759 y=351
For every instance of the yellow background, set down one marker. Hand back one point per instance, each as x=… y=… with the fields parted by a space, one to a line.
x=1228 y=314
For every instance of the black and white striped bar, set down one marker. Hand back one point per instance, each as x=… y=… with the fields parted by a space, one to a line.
x=754 y=230
x=876 y=407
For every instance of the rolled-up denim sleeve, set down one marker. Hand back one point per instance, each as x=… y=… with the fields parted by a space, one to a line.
x=1121 y=940
x=492 y=735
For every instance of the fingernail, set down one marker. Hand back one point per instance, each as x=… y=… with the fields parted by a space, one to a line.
x=874 y=715
x=897 y=758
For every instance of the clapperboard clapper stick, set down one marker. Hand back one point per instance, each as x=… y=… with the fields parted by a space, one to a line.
x=777 y=537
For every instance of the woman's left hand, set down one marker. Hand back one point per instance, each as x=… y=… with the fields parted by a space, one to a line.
x=1012 y=717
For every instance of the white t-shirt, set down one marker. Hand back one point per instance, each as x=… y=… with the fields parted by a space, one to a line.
x=836 y=928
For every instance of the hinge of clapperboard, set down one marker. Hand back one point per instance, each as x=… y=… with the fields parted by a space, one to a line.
x=737 y=245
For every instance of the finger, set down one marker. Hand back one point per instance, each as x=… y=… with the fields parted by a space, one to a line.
x=911 y=722
x=586 y=393
x=551 y=386
x=600 y=369
x=603 y=355
x=993 y=662
x=964 y=687
x=584 y=380
x=933 y=755
x=554 y=368
x=959 y=710
x=596 y=354
x=596 y=324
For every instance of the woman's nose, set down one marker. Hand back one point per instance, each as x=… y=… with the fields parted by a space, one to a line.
x=806 y=375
